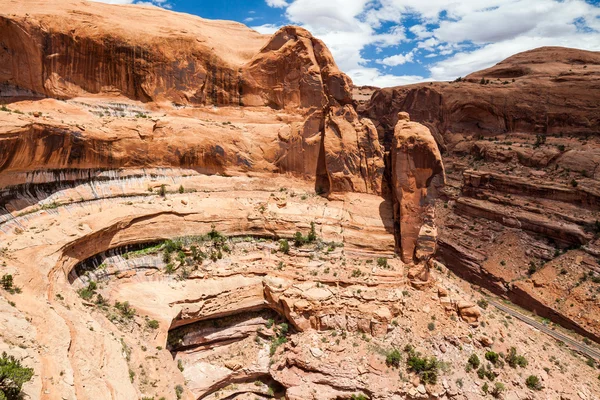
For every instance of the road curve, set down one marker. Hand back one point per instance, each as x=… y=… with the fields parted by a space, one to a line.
x=582 y=348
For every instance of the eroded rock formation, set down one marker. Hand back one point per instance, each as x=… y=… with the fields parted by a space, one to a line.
x=417 y=175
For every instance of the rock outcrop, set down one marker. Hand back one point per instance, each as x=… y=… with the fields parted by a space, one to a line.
x=549 y=90
x=306 y=124
x=417 y=175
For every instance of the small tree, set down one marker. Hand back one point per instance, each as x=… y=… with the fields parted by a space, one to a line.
x=181 y=189
x=163 y=190
x=12 y=377
x=7 y=282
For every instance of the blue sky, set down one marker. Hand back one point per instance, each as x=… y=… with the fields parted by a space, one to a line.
x=395 y=42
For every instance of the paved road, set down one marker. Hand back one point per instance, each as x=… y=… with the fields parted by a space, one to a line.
x=587 y=350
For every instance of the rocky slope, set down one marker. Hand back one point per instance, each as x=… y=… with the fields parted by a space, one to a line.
x=519 y=214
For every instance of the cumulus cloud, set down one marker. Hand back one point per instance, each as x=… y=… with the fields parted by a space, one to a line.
x=398 y=59
x=277 y=3
x=468 y=34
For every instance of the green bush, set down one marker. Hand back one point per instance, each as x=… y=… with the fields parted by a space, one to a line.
x=7 y=282
x=483 y=303
x=12 y=377
x=178 y=391
x=312 y=234
x=492 y=357
x=153 y=324
x=382 y=262
x=497 y=390
x=299 y=240
x=533 y=382
x=514 y=360
x=393 y=358
x=284 y=246
x=88 y=292
x=474 y=361
x=427 y=368
x=486 y=372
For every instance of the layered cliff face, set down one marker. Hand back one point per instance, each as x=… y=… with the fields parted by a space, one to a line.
x=304 y=125
x=549 y=90
x=518 y=215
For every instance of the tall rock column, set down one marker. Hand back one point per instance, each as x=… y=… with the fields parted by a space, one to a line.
x=417 y=175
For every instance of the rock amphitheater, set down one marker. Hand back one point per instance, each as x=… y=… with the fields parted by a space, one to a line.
x=192 y=210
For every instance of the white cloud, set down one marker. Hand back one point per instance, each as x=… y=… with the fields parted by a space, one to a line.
x=398 y=59
x=374 y=77
x=266 y=29
x=471 y=34
x=277 y=3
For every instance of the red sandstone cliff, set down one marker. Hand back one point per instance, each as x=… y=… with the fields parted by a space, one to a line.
x=547 y=90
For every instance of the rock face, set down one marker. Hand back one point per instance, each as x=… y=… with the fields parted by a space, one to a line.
x=417 y=175
x=72 y=49
x=545 y=91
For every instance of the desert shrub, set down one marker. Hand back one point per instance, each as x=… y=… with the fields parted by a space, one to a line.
x=153 y=324
x=492 y=357
x=393 y=358
x=474 y=361
x=125 y=309
x=497 y=390
x=178 y=391
x=382 y=262
x=312 y=234
x=427 y=368
x=12 y=377
x=533 y=382
x=486 y=372
x=514 y=360
x=88 y=292
x=483 y=303
x=299 y=240
x=284 y=246
x=431 y=326
x=7 y=282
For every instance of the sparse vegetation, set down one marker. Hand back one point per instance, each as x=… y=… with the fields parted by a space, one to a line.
x=152 y=324
x=393 y=358
x=533 y=382
x=514 y=360
x=474 y=361
x=13 y=375
x=88 y=292
x=427 y=368
x=492 y=357
x=284 y=246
